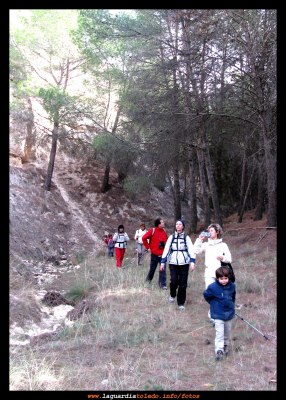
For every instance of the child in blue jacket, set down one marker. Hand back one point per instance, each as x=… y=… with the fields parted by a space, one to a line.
x=221 y=297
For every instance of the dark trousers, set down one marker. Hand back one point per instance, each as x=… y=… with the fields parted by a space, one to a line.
x=155 y=260
x=179 y=278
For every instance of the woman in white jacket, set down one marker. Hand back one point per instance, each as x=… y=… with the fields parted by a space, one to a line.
x=140 y=246
x=180 y=252
x=216 y=251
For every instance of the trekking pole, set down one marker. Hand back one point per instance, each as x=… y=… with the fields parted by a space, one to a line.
x=252 y=326
x=135 y=259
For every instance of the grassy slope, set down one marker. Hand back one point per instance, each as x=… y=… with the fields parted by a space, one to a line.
x=137 y=340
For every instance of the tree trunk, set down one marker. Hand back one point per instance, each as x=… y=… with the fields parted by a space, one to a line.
x=260 y=206
x=246 y=195
x=177 y=192
x=262 y=67
x=52 y=157
x=271 y=184
x=270 y=156
x=193 y=193
x=177 y=212
x=104 y=186
x=30 y=140
x=218 y=218
x=206 y=203
x=242 y=183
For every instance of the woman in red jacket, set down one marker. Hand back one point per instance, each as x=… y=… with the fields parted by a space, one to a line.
x=157 y=240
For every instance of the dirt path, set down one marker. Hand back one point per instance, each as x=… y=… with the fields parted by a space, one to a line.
x=75 y=210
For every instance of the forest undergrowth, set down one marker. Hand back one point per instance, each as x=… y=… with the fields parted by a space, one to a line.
x=137 y=340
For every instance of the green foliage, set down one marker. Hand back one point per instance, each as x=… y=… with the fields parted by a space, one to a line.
x=110 y=147
x=78 y=291
x=105 y=144
x=44 y=31
x=16 y=65
x=159 y=179
x=57 y=103
x=137 y=186
x=179 y=77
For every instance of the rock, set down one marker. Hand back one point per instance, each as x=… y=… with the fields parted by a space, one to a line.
x=43 y=336
x=85 y=306
x=53 y=298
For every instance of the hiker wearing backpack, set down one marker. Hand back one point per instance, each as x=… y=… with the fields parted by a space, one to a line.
x=157 y=239
x=139 y=243
x=180 y=252
x=216 y=252
x=110 y=246
x=120 y=238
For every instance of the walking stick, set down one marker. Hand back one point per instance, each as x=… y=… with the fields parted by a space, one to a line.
x=252 y=326
x=135 y=259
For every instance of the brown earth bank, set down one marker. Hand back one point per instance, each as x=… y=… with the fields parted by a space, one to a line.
x=74 y=216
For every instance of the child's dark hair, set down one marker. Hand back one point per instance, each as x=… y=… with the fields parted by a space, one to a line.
x=222 y=271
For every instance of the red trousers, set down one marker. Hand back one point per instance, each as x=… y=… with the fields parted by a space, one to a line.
x=119 y=256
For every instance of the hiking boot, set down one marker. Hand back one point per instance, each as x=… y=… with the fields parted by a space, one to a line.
x=181 y=307
x=171 y=299
x=225 y=350
x=163 y=287
x=219 y=355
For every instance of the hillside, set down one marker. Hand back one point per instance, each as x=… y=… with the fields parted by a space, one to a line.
x=74 y=216
x=121 y=333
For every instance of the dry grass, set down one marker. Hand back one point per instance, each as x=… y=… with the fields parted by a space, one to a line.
x=137 y=340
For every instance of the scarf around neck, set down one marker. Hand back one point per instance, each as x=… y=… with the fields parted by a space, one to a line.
x=211 y=241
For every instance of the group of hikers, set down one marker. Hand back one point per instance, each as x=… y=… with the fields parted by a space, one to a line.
x=179 y=251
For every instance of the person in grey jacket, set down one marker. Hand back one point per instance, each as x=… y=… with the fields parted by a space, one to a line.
x=180 y=252
x=221 y=297
x=139 y=243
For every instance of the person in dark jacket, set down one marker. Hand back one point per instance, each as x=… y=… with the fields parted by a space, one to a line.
x=157 y=238
x=221 y=297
